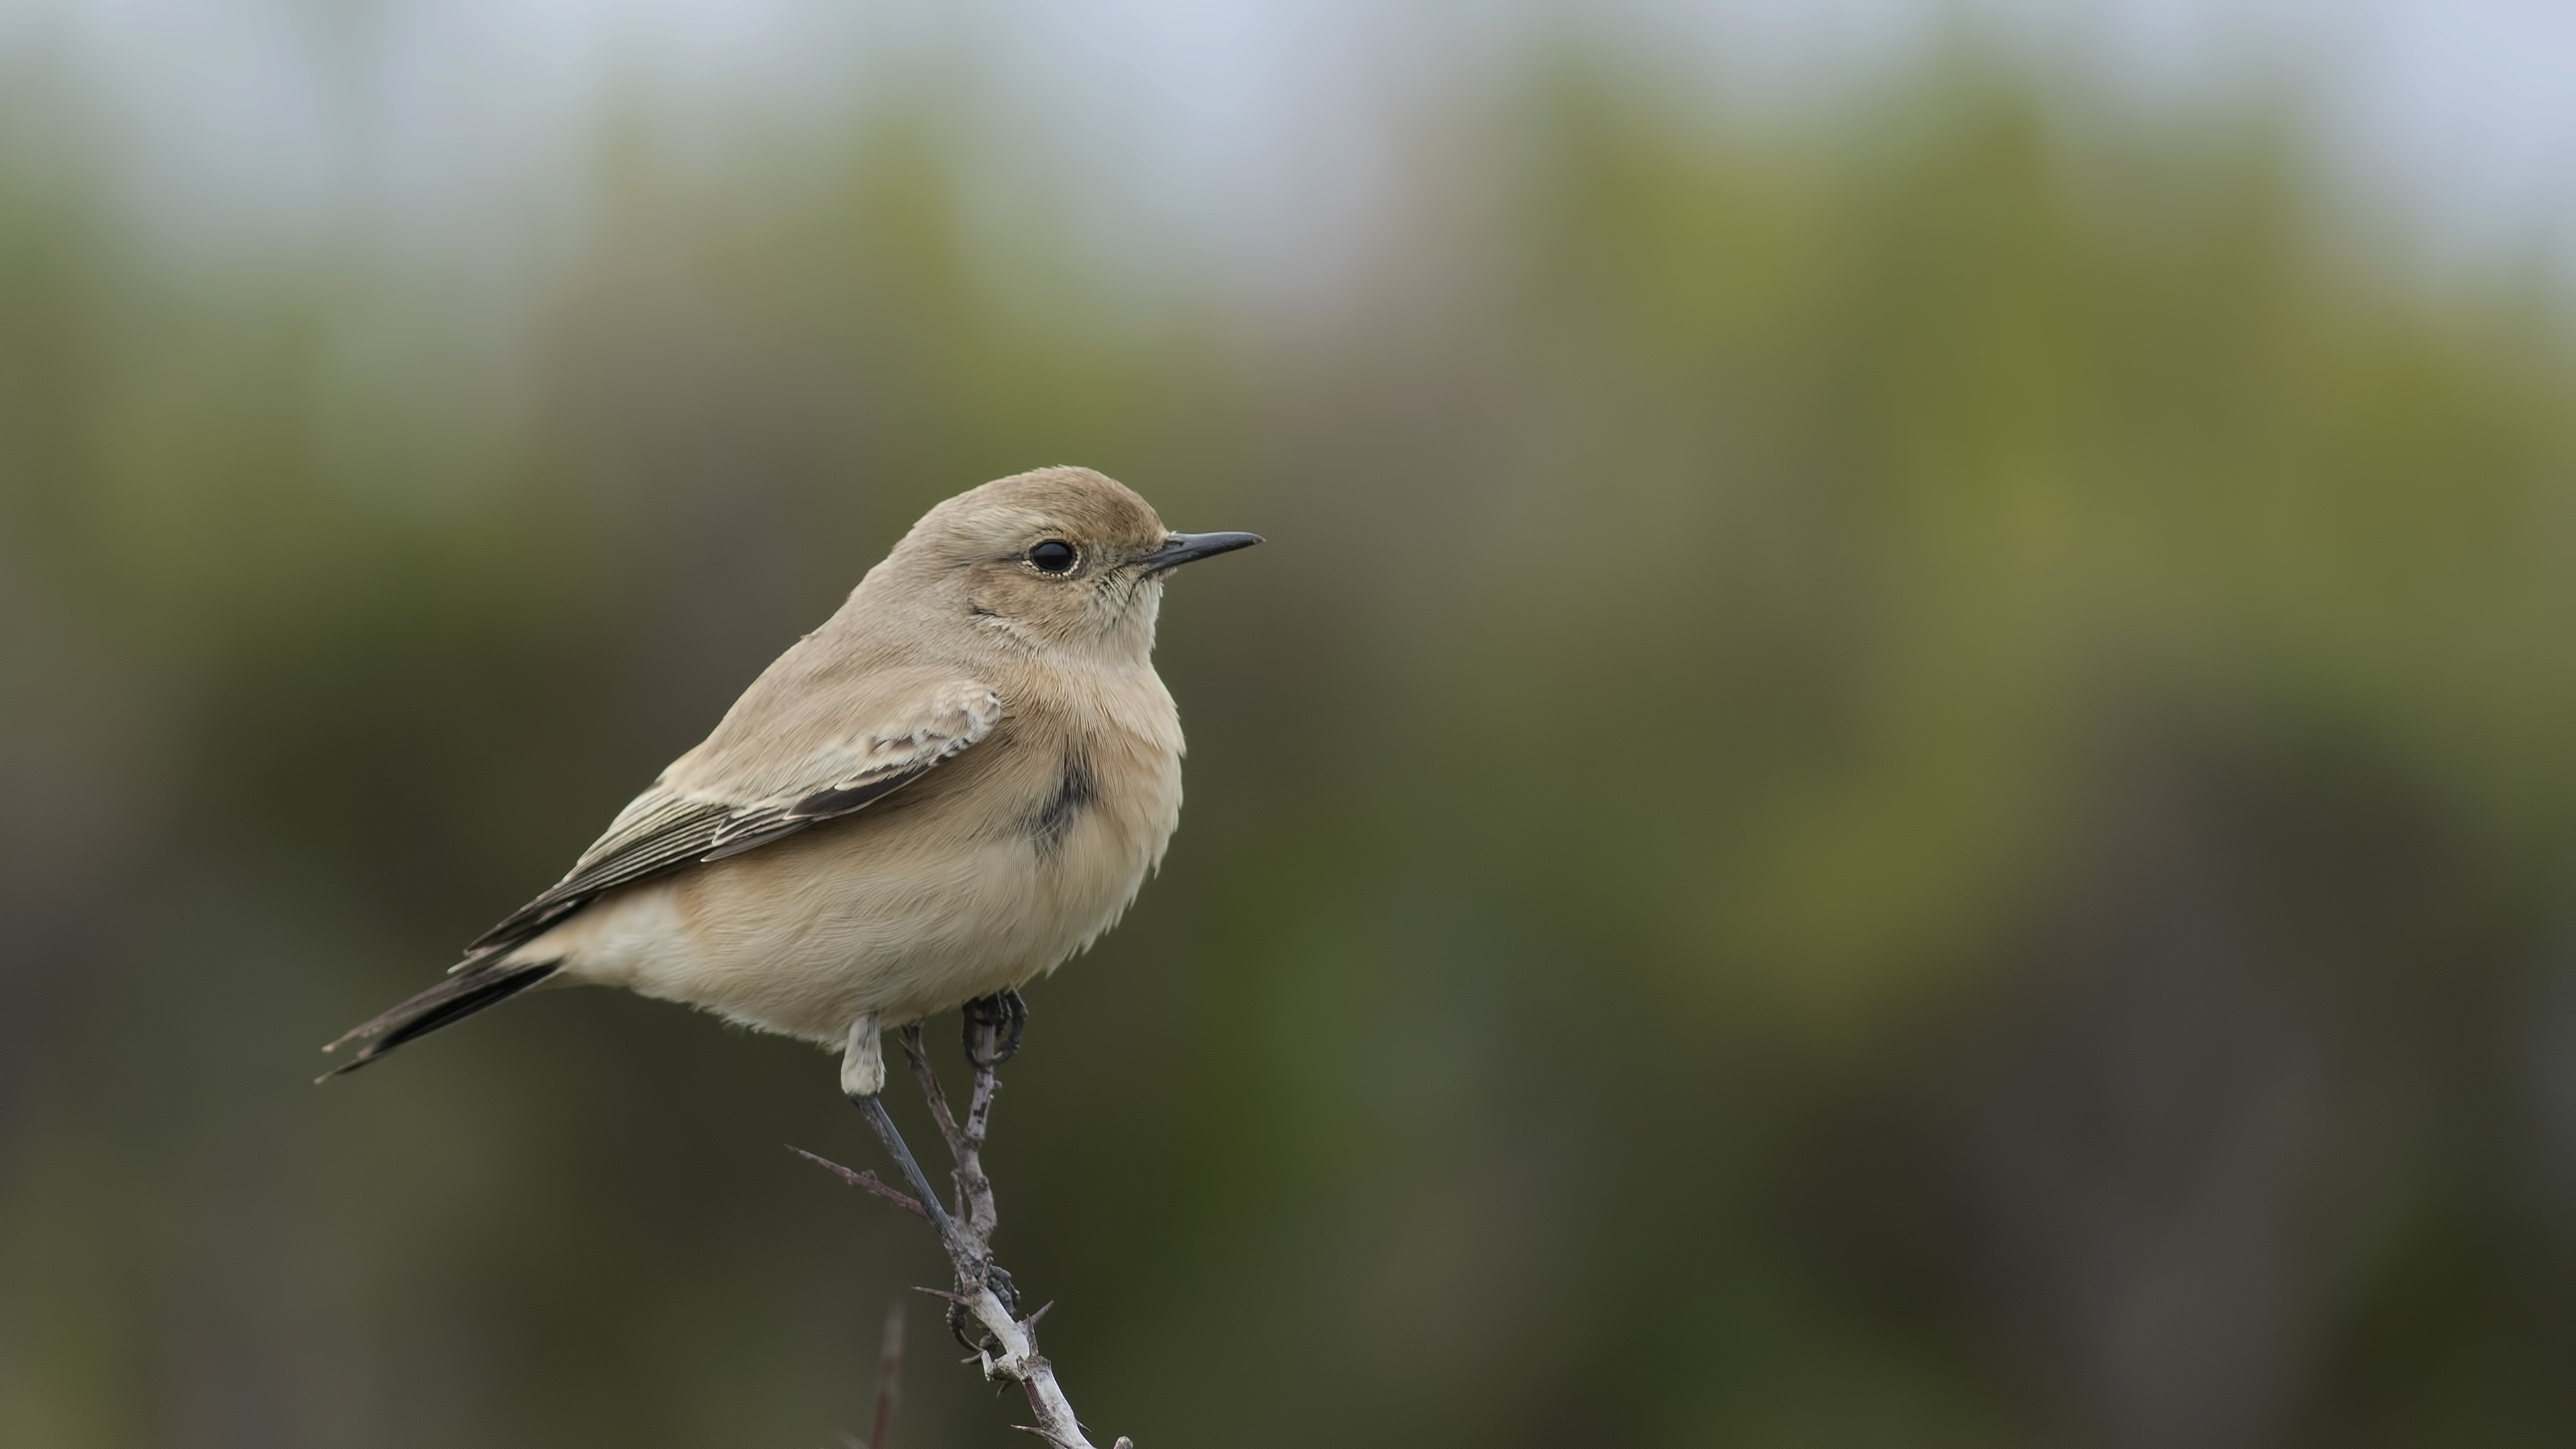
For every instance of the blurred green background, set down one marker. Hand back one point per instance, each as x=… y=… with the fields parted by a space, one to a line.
x=1899 y=774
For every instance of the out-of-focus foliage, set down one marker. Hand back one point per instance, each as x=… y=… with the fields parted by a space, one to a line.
x=1903 y=783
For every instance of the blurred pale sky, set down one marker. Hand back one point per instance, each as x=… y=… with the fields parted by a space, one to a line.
x=1245 y=132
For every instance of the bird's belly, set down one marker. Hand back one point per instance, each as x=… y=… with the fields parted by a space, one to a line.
x=804 y=936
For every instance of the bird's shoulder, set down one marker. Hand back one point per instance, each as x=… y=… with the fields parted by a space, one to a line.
x=805 y=727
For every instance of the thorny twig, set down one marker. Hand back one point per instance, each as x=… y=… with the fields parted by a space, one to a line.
x=866 y=1182
x=1009 y=1349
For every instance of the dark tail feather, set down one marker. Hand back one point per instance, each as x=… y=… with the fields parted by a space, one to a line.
x=450 y=1001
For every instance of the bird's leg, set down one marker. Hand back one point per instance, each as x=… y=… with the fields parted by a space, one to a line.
x=863 y=1082
x=863 y=1060
x=873 y=1107
x=994 y=1026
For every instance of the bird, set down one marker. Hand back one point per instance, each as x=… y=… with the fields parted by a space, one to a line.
x=956 y=783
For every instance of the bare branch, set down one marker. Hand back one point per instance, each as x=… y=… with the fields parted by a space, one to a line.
x=931 y=1091
x=1010 y=1348
x=889 y=1378
x=865 y=1182
x=965 y=1145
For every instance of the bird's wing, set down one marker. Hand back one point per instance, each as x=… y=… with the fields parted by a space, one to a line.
x=746 y=788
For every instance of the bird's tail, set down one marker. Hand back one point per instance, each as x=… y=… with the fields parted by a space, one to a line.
x=452 y=1000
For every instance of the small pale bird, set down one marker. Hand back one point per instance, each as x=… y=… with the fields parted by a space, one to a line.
x=957 y=782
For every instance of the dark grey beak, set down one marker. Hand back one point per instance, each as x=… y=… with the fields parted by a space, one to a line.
x=1185 y=547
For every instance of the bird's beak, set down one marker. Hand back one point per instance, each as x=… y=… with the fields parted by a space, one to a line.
x=1185 y=547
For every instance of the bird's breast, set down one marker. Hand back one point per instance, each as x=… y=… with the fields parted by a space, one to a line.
x=1108 y=803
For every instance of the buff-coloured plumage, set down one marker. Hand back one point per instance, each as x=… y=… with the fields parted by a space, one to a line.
x=957 y=782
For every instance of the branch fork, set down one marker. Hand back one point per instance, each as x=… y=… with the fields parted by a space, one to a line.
x=1008 y=1349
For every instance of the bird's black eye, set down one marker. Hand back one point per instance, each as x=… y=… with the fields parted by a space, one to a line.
x=1055 y=556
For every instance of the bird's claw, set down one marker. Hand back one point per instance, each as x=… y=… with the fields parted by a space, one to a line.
x=993 y=1028
x=972 y=1335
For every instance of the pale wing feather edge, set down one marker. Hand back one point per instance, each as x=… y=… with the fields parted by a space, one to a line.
x=665 y=829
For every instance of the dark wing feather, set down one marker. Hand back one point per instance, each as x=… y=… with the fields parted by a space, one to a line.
x=664 y=829
x=658 y=832
x=745 y=829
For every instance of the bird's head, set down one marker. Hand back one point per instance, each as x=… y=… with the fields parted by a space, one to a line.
x=1060 y=560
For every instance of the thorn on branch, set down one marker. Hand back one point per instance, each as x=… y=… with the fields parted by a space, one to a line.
x=866 y=1182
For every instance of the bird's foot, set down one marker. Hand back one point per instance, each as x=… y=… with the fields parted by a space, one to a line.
x=972 y=1335
x=994 y=1026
